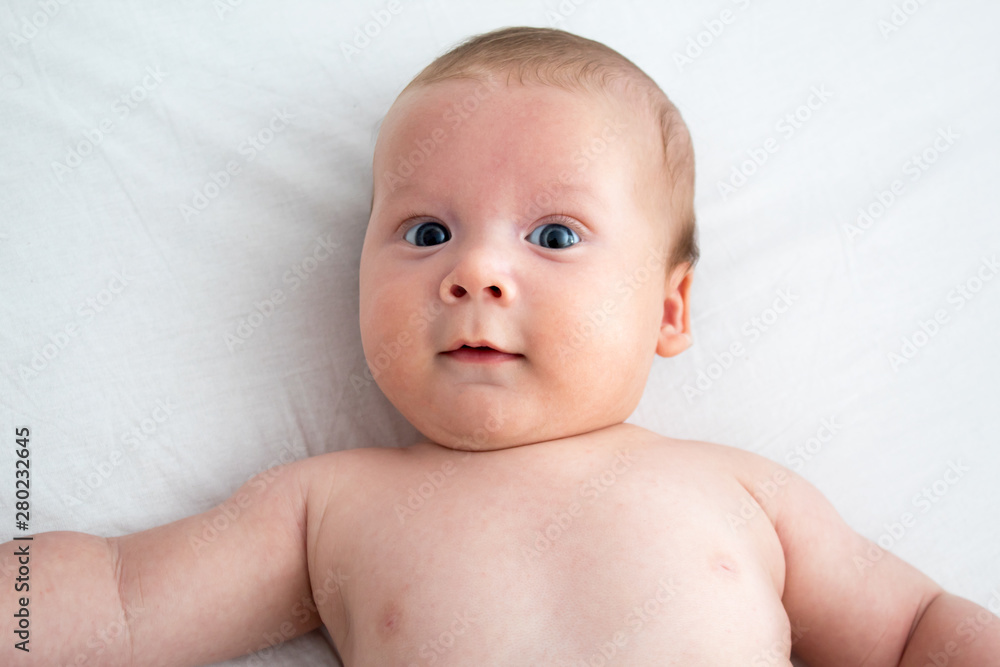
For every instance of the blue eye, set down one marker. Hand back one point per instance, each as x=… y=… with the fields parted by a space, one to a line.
x=554 y=236
x=427 y=234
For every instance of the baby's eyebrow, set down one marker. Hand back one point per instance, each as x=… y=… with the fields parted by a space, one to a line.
x=559 y=188
x=540 y=199
x=569 y=199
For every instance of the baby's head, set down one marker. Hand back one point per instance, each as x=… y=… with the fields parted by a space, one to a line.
x=533 y=192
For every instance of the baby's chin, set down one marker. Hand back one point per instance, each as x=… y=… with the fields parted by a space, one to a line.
x=477 y=440
x=503 y=435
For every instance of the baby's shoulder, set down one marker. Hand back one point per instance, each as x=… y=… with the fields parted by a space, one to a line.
x=327 y=474
x=750 y=469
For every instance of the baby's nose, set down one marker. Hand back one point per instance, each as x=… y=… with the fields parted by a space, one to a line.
x=456 y=291
x=475 y=281
x=459 y=291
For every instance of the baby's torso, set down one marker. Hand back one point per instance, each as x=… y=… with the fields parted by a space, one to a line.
x=617 y=547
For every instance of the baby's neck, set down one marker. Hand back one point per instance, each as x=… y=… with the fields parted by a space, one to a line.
x=488 y=447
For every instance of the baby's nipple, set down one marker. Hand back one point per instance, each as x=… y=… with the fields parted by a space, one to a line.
x=390 y=619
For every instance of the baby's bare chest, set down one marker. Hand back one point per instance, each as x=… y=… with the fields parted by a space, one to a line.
x=564 y=562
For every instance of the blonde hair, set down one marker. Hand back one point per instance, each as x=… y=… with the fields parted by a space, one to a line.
x=562 y=59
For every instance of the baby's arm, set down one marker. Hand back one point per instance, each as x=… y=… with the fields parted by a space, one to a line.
x=852 y=603
x=203 y=589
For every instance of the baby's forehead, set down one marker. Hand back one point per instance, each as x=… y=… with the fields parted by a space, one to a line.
x=533 y=131
x=577 y=122
x=466 y=96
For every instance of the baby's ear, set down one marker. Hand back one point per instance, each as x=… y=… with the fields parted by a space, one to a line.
x=675 y=329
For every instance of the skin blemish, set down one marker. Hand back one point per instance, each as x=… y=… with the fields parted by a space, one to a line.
x=390 y=619
x=725 y=564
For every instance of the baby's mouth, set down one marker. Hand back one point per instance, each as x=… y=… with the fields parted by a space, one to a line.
x=481 y=354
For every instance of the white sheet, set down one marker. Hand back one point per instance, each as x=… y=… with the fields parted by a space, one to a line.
x=121 y=341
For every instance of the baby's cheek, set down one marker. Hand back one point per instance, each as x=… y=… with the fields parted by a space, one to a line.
x=589 y=343
x=386 y=336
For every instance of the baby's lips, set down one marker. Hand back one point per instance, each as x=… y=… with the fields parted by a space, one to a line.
x=466 y=343
x=481 y=355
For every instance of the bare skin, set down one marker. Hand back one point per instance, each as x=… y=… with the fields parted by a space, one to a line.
x=532 y=526
x=613 y=541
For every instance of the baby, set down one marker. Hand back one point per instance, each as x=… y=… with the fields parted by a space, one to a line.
x=530 y=249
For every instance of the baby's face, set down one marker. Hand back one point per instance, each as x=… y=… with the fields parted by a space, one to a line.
x=512 y=217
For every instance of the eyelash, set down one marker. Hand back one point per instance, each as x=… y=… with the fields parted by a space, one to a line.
x=414 y=219
x=566 y=221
